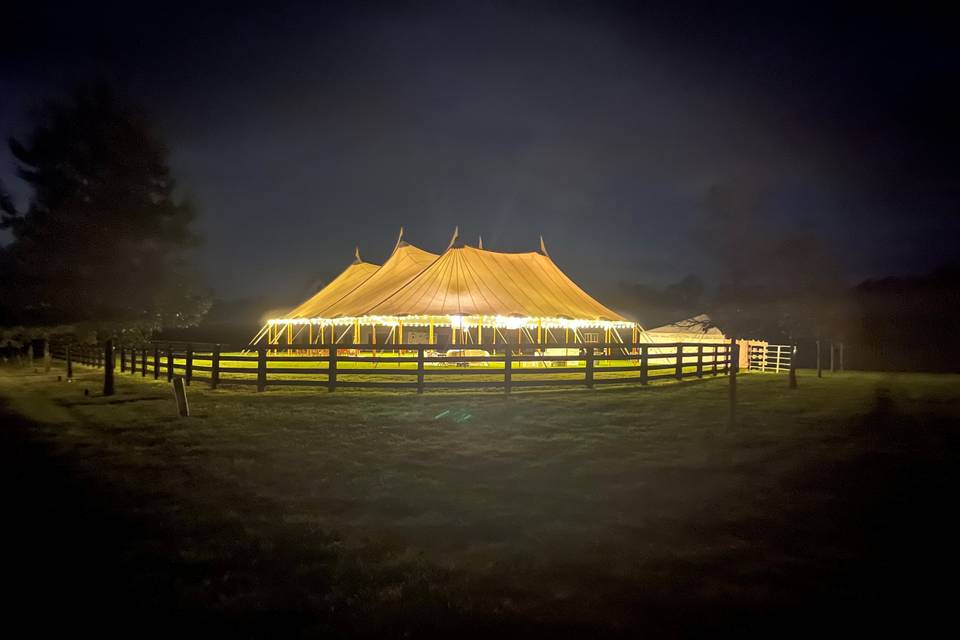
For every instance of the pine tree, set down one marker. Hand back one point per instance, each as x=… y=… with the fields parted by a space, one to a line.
x=104 y=239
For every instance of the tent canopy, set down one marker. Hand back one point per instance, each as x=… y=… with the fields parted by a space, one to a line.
x=348 y=280
x=466 y=281
x=418 y=287
x=406 y=262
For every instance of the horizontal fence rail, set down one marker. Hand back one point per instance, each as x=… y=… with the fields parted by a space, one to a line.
x=409 y=366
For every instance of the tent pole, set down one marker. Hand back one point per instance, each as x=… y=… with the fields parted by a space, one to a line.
x=430 y=338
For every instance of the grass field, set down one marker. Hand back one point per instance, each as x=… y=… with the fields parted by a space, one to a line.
x=604 y=512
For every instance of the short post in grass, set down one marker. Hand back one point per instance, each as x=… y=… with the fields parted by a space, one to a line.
x=793 y=367
x=819 y=360
x=732 y=371
x=420 y=369
x=678 y=373
x=69 y=357
x=123 y=359
x=644 y=364
x=108 y=368
x=215 y=367
x=261 y=369
x=180 y=394
x=332 y=369
x=156 y=361
x=588 y=372
x=188 y=368
x=169 y=363
x=699 y=360
x=507 y=368
x=143 y=362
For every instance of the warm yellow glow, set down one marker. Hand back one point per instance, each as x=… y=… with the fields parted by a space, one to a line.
x=458 y=322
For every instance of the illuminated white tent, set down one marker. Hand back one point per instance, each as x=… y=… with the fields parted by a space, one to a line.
x=473 y=293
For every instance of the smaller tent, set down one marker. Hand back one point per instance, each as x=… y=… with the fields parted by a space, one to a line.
x=696 y=329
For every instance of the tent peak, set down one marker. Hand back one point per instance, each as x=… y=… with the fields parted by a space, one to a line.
x=543 y=247
x=356 y=255
x=400 y=242
x=454 y=237
x=480 y=242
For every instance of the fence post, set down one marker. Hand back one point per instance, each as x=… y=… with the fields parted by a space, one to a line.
x=188 y=368
x=123 y=361
x=679 y=371
x=169 y=363
x=215 y=367
x=699 y=360
x=644 y=364
x=46 y=354
x=716 y=353
x=841 y=357
x=819 y=361
x=332 y=369
x=108 y=368
x=420 y=369
x=833 y=368
x=69 y=363
x=156 y=361
x=588 y=375
x=732 y=370
x=793 y=367
x=143 y=362
x=507 y=373
x=133 y=361
x=261 y=369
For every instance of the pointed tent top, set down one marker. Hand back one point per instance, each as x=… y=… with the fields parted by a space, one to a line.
x=399 y=243
x=480 y=242
x=543 y=247
x=356 y=256
x=453 y=239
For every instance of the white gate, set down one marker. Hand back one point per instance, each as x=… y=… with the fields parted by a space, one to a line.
x=773 y=358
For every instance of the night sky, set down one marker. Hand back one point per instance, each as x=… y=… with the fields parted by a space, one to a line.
x=305 y=130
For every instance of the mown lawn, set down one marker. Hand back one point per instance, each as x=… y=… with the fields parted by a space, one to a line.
x=603 y=512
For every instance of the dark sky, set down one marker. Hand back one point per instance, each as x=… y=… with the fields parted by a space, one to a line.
x=304 y=129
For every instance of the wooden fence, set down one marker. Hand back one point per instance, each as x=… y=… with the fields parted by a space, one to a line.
x=408 y=366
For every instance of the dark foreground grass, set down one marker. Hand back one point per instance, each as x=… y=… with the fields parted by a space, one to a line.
x=603 y=512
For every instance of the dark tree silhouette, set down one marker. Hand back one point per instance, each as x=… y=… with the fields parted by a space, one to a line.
x=104 y=239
